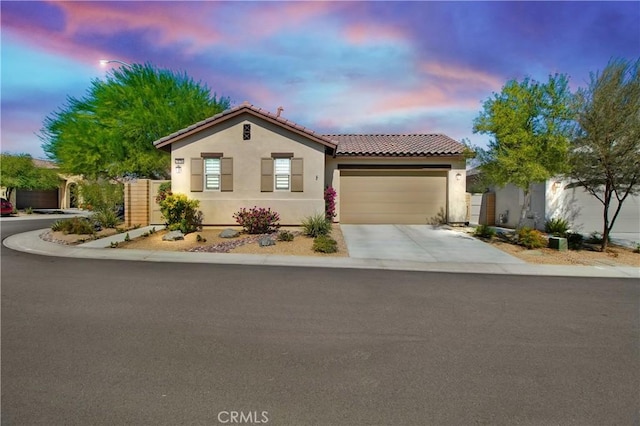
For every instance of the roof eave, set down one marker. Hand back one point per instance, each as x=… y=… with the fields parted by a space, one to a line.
x=165 y=143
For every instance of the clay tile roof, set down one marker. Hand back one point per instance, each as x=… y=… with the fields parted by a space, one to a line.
x=396 y=145
x=244 y=107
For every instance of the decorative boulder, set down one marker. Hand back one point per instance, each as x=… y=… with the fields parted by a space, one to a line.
x=173 y=236
x=229 y=233
x=266 y=241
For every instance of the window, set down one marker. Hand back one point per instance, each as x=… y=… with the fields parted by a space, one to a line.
x=212 y=173
x=282 y=172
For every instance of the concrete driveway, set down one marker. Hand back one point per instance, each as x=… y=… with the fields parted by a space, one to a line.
x=420 y=243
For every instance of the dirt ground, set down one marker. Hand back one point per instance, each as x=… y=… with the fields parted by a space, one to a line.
x=590 y=255
x=301 y=246
x=248 y=244
x=73 y=239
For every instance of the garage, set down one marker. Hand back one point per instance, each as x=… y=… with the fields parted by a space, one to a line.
x=46 y=199
x=392 y=196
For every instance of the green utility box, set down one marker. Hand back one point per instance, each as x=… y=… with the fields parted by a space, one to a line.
x=558 y=243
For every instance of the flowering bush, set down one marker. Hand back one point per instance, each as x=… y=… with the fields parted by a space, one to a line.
x=531 y=238
x=330 y=203
x=257 y=220
x=180 y=213
x=163 y=192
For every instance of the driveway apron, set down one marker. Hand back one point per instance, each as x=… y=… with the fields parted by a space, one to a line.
x=421 y=243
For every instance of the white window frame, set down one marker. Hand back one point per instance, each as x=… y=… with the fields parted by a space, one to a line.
x=283 y=166
x=215 y=172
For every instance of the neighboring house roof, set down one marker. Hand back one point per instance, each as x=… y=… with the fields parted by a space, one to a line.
x=44 y=164
x=396 y=145
x=164 y=142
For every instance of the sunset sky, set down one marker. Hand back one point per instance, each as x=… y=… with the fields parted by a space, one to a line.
x=335 y=67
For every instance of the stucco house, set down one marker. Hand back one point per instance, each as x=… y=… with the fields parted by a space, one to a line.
x=558 y=197
x=246 y=156
x=63 y=197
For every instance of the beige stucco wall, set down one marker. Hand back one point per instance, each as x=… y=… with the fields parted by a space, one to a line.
x=218 y=207
x=456 y=186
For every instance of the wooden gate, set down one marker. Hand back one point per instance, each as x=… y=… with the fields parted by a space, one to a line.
x=155 y=217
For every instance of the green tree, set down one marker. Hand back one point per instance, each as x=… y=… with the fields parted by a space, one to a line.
x=529 y=123
x=19 y=172
x=109 y=133
x=605 y=153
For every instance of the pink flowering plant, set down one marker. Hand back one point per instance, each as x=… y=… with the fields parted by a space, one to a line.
x=257 y=220
x=330 y=203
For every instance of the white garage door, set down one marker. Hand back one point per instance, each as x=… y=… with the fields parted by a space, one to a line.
x=408 y=197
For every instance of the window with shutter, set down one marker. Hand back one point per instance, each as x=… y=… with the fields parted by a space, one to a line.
x=282 y=173
x=196 y=174
x=212 y=173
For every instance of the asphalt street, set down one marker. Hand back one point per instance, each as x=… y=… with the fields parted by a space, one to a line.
x=104 y=342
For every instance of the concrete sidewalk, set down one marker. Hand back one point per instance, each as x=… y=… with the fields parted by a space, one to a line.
x=30 y=242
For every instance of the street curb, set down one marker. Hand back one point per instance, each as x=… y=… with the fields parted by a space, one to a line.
x=30 y=242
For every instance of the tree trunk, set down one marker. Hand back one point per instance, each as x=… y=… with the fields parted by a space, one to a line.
x=607 y=227
x=525 y=207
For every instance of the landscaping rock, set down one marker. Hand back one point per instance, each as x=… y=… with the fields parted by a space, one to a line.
x=173 y=236
x=266 y=241
x=229 y=233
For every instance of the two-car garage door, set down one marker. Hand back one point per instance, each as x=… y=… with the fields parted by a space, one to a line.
x=393 y=196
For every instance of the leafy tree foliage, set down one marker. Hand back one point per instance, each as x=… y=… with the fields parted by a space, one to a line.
x=605 y=153
x=19 y=172
x=110 y=132
x=529 y=125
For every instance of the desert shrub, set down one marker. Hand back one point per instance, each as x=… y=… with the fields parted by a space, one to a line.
x=556 y=226
x=106 y=218
x=181 y=213
x=257 y=220
x=285 y=236
x=595 y=238
x=316 y=225
x=531 y=238
x=330 y=203
x=74 y=225
x=58 y=226
x=101 y=195
x=200 y=239
x=325 y=244
x=28 y=210
x=484 y=231
x=575 y=241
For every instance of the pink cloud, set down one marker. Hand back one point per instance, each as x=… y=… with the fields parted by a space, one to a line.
x=461 y=76
x=270 y=18
x=172 y=23
x=360 y=34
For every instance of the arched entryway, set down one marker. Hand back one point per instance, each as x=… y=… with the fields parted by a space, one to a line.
x=73 y=196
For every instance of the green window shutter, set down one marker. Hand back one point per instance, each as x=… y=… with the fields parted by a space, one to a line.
x=297 y=173
x=266 y=175
x=197 y=180
x=226 y=174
